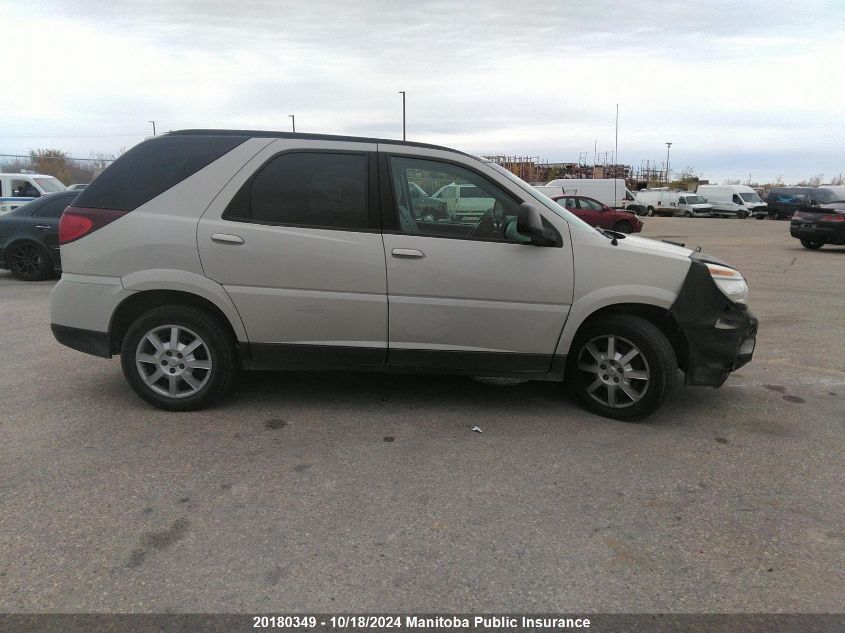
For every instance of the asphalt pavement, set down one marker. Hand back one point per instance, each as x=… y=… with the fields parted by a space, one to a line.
x=354 y=492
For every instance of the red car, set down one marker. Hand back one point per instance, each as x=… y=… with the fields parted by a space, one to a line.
x=597 y=214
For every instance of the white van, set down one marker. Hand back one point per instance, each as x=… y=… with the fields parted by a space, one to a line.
x=665 y=202
x=17 y=189
x=610 y=191
x=273 y=250
x=733 y=200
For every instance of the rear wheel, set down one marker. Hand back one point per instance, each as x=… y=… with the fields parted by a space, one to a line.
x=623 y=226
x=178 y=358
x=811 y=244
x=621 y=367
x=29 y=261
x=650 y=211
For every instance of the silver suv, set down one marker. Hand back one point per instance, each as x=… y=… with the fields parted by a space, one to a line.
x=203 y=251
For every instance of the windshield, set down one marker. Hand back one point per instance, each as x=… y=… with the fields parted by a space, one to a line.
x=50 y=185
x=695 y=200
x=573 y=220
x=750 y=197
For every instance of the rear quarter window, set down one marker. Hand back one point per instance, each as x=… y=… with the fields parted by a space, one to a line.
x=151 y=168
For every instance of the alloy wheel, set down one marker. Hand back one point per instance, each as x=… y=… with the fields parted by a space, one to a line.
x=27 y=260
x=620 y=371
x=173 y=361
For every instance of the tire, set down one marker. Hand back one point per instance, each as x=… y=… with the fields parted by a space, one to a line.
x=687 y=214
x=29 y=261
x=653 y=363
x=650 y=211
x=214 y=358
x=811 y=244
x=623 y=226
x=742 y=214
x=760 y=217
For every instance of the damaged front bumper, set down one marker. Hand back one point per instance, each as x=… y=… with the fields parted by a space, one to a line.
x=720 y=334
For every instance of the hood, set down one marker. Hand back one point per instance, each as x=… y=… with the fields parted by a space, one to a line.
x=654 y=246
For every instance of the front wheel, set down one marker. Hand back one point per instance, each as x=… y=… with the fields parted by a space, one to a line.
x=811 y=244
x=687 y=214
x=623 y=226
x=742 y=214
x=178 y=358
x=29 y=261
x=621 y=367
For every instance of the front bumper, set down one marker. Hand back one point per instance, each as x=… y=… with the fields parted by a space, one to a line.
x=720 y=334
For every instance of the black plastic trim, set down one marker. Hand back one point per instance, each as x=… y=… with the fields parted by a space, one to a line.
x=88 y=341
x=713 y=352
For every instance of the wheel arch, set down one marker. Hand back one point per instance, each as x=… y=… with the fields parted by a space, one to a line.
x=658 y=315
x=139 y=302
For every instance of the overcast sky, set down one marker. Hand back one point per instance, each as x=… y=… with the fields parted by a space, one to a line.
x=737 y=87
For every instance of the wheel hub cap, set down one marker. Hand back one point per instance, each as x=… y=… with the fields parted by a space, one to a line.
x=173 y=361
x=616 y=370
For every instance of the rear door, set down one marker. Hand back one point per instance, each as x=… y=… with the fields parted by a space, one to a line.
x=468 y=294
x=295 y=241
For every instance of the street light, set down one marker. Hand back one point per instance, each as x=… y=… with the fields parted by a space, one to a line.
x=668 y=145
x=293 y=122
x=402 y=92
x=154 y=127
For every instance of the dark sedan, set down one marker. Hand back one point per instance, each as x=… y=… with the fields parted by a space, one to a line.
x=29 y=237
x=597 y=214
x=818 y=226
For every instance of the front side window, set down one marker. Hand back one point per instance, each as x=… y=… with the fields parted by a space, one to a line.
x=464 y=205
x=310 y=189
x=24 y=189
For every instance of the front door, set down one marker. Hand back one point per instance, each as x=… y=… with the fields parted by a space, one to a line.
x=469 y=293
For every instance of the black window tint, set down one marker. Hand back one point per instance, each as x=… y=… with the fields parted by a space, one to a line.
x=53 y=208
x=151 y=168
x=307 y=189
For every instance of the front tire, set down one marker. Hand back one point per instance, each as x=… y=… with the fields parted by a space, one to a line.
x=687 y=214
x=621 y=367
x=178 y=358
x=742 y=214
x=29 y=261
x=623 y=226
x=811 y=244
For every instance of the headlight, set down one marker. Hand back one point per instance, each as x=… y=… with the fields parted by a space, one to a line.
x=730 y=282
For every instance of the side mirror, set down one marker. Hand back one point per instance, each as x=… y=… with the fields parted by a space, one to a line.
x=530 y=223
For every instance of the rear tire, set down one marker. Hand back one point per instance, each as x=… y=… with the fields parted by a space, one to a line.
x=623 y=226
x=650 y=211
x=621 y=367
x=178 y=358
x=811 y=244
x=29 y=261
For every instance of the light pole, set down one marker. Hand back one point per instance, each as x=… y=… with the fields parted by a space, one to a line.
x=402 y=92
x=668 y=145
x=293 y=122
x=154 y=127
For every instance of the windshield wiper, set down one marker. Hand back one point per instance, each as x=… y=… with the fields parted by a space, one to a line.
x=613 y=236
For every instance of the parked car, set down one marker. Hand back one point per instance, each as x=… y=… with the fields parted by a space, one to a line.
x=464 y=201
x=668 y=203
x=29 y=242
x=18 y=189
x=817 y=226
x=733 y=200
x=783 y=202
x=200 y=251
x=610 y=191
x=600 y=215
x=77 y=187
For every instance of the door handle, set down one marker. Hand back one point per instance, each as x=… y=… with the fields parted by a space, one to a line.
x=226 y=238
x=407 y=253
x=43 y=227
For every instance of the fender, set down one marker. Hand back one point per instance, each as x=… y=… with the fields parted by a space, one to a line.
x=587 y=305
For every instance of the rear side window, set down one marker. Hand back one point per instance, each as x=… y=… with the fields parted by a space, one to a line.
x=151 y=168
x=53 y=208
x=313 y=189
